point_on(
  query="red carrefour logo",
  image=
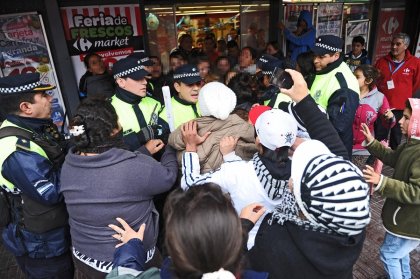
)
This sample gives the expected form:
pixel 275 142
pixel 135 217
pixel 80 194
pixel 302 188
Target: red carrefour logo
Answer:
pixel 390 25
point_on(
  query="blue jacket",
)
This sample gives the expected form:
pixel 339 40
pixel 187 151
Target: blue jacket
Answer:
pixel 35 178
pixel 129 262
pixel 304 42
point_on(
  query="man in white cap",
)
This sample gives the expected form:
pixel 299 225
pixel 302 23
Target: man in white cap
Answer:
pixel 36 231
pixel 335 88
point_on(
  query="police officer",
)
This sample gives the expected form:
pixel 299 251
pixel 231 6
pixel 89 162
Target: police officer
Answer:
pixel 30 159
pixel 335 87
pixel 187 83
pixel 266 66
pixel 137 112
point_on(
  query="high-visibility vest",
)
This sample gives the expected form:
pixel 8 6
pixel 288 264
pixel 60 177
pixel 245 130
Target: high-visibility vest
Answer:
pixel 181 113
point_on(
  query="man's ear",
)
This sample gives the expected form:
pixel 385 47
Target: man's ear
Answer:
pixel 121 82
pixel 25 108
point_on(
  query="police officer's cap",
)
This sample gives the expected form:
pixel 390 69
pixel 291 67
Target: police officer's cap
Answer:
pixel 144 59
pixel 24 83
pixel 327 44
pixel 267 63
pixel 187 74
pixel 130 67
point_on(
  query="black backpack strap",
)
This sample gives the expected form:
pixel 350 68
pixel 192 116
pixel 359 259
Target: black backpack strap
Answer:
pixel 15 131
pixel 53 150
pixel 341 80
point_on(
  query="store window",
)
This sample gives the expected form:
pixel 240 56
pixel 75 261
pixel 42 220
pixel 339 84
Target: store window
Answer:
pixel 227 20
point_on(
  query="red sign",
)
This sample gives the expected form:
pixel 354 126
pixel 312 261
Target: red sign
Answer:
pixel 390 21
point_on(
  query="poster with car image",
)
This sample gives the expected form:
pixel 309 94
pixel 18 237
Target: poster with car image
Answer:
pixel 24 49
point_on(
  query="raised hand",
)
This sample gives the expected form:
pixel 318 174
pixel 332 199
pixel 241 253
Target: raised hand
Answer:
pixel 252 212
pixel 366 132
pixel 228 144
pixel 154 145
pixel 371 176
pixel 190 136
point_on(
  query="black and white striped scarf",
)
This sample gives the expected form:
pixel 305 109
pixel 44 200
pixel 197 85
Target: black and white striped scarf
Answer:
pixel 287 209
pixel 277 190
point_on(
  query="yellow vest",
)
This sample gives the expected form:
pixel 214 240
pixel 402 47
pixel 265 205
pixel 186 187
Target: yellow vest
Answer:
pixel 127 117
pixel 8 146
pixel 326 84
pixel 280 98
pixel 181 113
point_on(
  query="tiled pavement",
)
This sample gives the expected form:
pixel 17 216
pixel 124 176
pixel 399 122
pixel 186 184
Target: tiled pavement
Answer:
pixel 368 266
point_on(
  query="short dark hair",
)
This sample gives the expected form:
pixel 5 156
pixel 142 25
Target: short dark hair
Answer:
pixel 178 54
pixel 10 104
pixel 358 39
pixel 87 58
pixel 251 50
pixel 203 231
pixel 232 44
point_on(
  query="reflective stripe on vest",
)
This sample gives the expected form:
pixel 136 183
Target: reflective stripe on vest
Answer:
pixel 127 116
pixel 8 146
pixel 325 85
pixel 182 113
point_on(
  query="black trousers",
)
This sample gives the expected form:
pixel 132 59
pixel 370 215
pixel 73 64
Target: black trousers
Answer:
pixel 60 267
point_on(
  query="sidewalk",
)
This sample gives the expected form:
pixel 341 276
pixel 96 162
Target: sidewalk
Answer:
pixel 368 266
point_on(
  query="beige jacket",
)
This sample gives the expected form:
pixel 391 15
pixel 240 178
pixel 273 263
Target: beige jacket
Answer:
pixel 208 151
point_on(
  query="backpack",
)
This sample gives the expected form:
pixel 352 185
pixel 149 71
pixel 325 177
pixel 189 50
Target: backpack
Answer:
pixel 341 109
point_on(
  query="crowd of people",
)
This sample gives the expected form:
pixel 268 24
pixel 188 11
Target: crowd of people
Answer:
pixel 232 176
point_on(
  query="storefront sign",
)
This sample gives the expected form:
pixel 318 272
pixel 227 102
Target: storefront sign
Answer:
pixel 24 49
pixel 356 28
pixel 390 21
pixel 329 19
pixel 112 31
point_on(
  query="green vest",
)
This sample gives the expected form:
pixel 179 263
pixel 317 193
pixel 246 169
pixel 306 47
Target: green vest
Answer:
pixel 280 97
pixel 127 117
pixel 181 113
pixel 326 84
pixel 8 146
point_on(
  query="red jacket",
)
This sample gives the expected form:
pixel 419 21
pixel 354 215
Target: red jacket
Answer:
pixel 406 79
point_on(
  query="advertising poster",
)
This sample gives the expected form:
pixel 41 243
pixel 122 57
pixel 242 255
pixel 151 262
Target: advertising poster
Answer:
pixel 356 28
pixel 329 19
pixel 24 49
pixel 390 21
pixel 112 31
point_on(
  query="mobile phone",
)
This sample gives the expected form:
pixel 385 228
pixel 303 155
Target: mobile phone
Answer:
pixel 281 79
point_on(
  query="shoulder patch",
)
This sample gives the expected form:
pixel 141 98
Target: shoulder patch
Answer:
pixel 23 143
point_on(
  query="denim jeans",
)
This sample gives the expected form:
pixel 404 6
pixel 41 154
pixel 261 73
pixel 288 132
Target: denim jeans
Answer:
pixel 395 254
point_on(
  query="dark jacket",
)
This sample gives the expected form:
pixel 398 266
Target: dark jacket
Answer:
pixel 39 226
pixel 129 264
pixel 294 252
pixel 291 252
pixel 355 62
pixel 116 183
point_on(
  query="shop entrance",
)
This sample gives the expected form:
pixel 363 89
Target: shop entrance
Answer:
pixel 227 20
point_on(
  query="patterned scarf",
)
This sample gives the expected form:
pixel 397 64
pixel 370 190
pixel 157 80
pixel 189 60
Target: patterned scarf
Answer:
pixel 278 190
